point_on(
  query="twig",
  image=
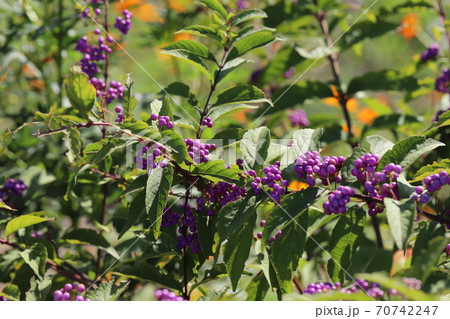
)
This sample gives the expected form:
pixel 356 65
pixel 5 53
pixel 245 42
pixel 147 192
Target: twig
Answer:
pixel 376 227
pixel 82 125
pixel 297 285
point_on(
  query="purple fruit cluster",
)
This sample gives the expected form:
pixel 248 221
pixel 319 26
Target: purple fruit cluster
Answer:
pixel 188 232
pixel 149 157
pixel 365 166
pixel 12 188
pixel 198 151
pixel 120 115
pixel 435 182
pixel 443 81
pixel 162 121
pixel 431 52
pixel 320 287
pixel 412 283
pixel 167 295
pixel 114 91
pixel 272 179
pixel 447 250
pixel 169 218
pixel 299 118
pixel 311 166
pixel 289 73
pixel 69 291
pixel 207 122
pixel 3 298
pixel 337 200
pixel 124 24
pixel 242 4
pixel 219 194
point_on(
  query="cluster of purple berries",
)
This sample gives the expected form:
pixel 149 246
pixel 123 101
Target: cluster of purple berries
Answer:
pixel 298 118
pixel 198 151
pixel 272 179
pixel 289 73
pixel 167 295
pixel 447 250
pixel 419 195
pixel 169 218
pixel 124 24
pixel 435 182
pixel 443 81
pixel 220 193
pixel 64 294
pixel 162 120
pixel 337 200
pixel 3 298
pixel 207 122
pixel 430 53
pixel 114 91
pixel 12 188
pixel 320 287
pixel 365 166
pixel 188 232
pixel 149 157
pixel 412 282
pixel 311 166
pixel 120 115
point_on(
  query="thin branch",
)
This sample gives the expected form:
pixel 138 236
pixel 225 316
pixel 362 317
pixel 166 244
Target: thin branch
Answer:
pixel 376 227
pixel 297 285
pixel 83 125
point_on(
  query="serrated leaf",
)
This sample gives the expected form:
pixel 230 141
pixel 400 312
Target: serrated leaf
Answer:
pixel 229 67
pixel 344 241
pixel 444 120
pixel 178 89
pixel 215 170
pixel 190 58
pixel 240 94
pixel 237 250
pixel 73 143
pixel 202 30
pixel 384 80
pixel 376 144
pixel 89 236
pixel 39 289
pixel 216 6
pixel 80 92
pixel 191 47
pixel 227 136
pixel 435 168
pixel 24 221
pixel 136 185
pixel 176 144
pixel 287 250
pixel 108 291
pixel 250 42
pixel 400 216
pixel 254 147
pixel 157 190
pixel 35 257
pixel 135 211
pixel 246 15
pixel 151 273
pixel 303 140
pixel 405 152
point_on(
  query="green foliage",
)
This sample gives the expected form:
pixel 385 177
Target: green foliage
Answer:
pixel 24 221
pixel 400 216
pixel 80 92
pixel 254 146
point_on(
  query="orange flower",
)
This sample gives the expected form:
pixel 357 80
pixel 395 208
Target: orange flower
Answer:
pixel 366 115
pixel 356 129
pixel 352 103
pixel 140 9
pixel 296 185
pixel 182 36
pixel 240 116
pixel 409 26
pixel 178 6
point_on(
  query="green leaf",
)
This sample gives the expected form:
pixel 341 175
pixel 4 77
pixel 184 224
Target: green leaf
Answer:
pixel 191 58
pixel 175 142
pixel 444 120
pixel 392 121
pixel 107 291
pixel 405 152
pixel 400 216
pixel 240 94
pixel 344 241
pixel 366 29
pixel 129 101
pixel 11 292
pixel 89 236
pixel 227 137
pixel 4 206
pixel 158 185
pixel 202 30
pixel 250 42
pixel 287 250
pixel 303 140
pixel 80 92
pixel 254 147
pixel 257 289
pixel 435 168
pixel 382 80
pixel 151 273
pixel 215 171
pixel 217 112
pixel 73 143
pixel 136 185
pixel 246 15
pixel 179 89
pixel 237 250
pixel 135 211
pixel 96 152
pixel 377 144
pixel 191 47
pixel 229 67
pixel 216 6
pixel 39 289
pixel 24 221
pixel 35 256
